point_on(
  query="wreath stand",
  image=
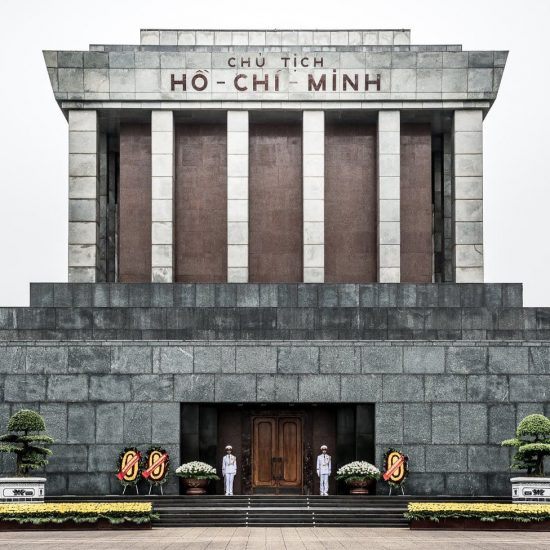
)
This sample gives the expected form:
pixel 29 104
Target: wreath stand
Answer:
pixel 401 487
pixel 151 485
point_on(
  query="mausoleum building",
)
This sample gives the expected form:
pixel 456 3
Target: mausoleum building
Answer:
pixel 276 242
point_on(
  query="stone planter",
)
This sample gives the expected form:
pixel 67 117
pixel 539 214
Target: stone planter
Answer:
pixel 195 486
pixel 478 525
pixel 100 524
pixel 360 487
pixel 530 490
pixel 22 489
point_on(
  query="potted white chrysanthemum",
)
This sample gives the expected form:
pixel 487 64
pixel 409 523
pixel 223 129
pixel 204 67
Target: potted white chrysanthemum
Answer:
pixel 359 475
pixel 196 476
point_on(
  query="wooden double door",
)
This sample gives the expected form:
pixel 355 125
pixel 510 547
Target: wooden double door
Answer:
pixel 277 454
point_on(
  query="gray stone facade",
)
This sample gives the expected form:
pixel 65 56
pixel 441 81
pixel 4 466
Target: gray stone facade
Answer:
pixel 450 368
pixel 143 73
pixel 275 312
pixel 245 75
pixel 448 402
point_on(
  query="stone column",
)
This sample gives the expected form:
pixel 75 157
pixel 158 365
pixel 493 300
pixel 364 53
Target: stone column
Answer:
pixel 389 179
pixel 437 176
pixel 237 196
pixel 468 196
pixel 103 201
pixel 313 151
pixel 162 196
pixel 448 262
pixel 83 196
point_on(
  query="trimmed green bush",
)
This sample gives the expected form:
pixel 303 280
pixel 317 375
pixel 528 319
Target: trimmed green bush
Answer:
pixel 29 456
pixel 532 443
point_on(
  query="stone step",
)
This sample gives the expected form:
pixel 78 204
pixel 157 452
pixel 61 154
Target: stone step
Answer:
pixel 277 499
pixel 281 511
pixel 381 525
pixel 275 295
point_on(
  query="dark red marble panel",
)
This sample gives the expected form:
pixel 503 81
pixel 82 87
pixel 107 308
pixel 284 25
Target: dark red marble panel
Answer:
pixel 134 225
pixel 350 203
pixel 416 203
pixel 201 203
pixel 275 207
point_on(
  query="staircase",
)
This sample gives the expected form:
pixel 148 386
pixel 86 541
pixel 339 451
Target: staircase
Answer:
pixel 289 511
pixel 282 511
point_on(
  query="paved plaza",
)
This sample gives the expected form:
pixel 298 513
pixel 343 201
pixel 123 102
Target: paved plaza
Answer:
pixel 259 538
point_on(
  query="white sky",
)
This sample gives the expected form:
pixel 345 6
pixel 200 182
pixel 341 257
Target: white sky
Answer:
pixel 33 136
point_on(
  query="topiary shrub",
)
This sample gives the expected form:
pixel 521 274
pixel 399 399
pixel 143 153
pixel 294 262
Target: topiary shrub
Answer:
pixel 532 442
pixel 28 455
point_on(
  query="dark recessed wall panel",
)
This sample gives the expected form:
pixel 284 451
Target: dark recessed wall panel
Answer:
pixel 275 203
pixel 201 203
pixel 350 203
pixel 416 203
pixel 134 246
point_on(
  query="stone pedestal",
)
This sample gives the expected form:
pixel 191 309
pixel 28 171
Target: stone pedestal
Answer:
pixel 22 489
pixel 530 490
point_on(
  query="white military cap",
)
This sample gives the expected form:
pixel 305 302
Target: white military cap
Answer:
pixel 228 447
pixel 323 447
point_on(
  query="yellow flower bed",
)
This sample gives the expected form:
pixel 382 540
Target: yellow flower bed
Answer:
pixel 484 511
pixel 76 508
pixel 481 507
pixel 78 512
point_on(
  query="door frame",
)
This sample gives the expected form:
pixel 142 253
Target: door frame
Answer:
pixel 277 416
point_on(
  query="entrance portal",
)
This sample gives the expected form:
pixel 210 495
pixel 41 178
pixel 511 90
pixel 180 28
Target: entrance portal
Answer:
pixel 277 454
pixel 277 444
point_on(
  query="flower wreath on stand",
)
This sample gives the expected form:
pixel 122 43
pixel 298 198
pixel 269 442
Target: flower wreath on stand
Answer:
pixel 156 465
pixel 128 468
pixel 395 476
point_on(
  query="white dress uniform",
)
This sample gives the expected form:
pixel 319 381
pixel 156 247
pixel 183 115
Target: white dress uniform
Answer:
pixel 229 469
pixel 324 468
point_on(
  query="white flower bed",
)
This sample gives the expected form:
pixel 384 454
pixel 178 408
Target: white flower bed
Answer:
pixel 358 469
pixel 196 469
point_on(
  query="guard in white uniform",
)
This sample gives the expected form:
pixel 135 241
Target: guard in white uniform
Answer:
pixel 229 469
pixel 324 468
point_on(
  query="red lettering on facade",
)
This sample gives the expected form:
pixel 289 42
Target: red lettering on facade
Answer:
pixel 199 82
pixel 316 86
pixel 174 82
pixel 256 83
pixel 377 82
pixel 354 84
pixel 237 85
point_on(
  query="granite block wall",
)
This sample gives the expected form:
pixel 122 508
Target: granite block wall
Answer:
pixel 275 312
pixel 448 404
pixel 491 295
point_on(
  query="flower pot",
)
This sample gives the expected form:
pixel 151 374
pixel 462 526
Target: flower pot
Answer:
pixel 195 486
pixel 22 489
pixel 530 490
pixel 359 487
